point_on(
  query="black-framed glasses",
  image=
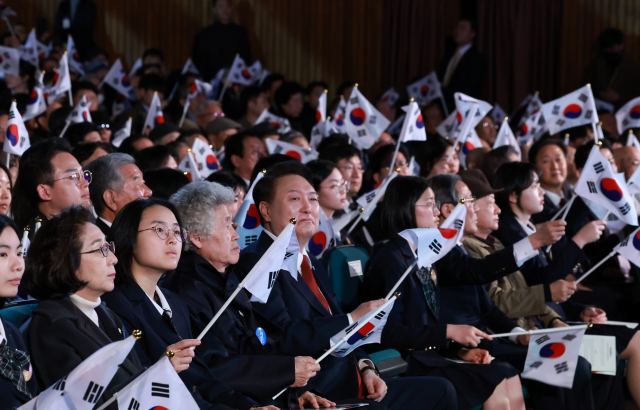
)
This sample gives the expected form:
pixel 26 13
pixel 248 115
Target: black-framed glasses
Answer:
pixel 75 177
pixel 104 249
pixel 163 232
pixel 101 127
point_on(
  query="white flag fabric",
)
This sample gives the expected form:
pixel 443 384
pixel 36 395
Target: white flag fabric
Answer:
pixel 390 96
pixel 6 11
pixel 463 106
pixel 205 158
pixel 135 67
pixel 159 387
pixel 456 220
pixel 630 247
pixel 425 89
pixel 189 166
pixel 154 115
pixel 364 123
pixel 29 50
pixel 396 126
pixel 432 243
pixel 448 127
pixel 201 87
pixel 553 355
pixel 324 239
pixel 598 183
pixel 122 134
pixel 338 121
pixel 118 79
pixel 189 67
pixel 534 104
pixel 281 255
pixel 367 330
pixel 61 81
pixel 370 200
pixel 248 218
pixel 340 223
pixel 321 111
pixel 279 123
pixel 468 144
pixel 80 112
pixel 36 104
pixel 505 137
pixel 82 388
pixel 629 115
pixel 413 126
pixel 572 110
pixel 319 132
pixel 604 106
pixel 632 141
pixel 532 129
pixel 498 115
pixel 9 60
pixel 265 73
pixel 16 139
pixel 292 150
pixel 75 64
pixel 241 74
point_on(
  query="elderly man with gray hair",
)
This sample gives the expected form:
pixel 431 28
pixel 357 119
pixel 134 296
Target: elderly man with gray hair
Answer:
pixel 117 181
pixel 201 280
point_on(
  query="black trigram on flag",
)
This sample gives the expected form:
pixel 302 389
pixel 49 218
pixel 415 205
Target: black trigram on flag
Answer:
pixel 624 242
pixel 435 247
pixel 160 390
pixel 583 98
pixel 560 122
pixel 624 209
pixel 625 122
pixel 535 365
pixel 354 100
pixel 373 119
pixel 569 338
pixel 93 393
pixel 588 114
pixel 542 339
pixel 592 187
pixel 556 110
pixel 370 196
pixel 380 314
pixel 134 405
pixel 201 150
pixel 350 328
pixel 458 224
pixel 60 384
pixel 277 149
pixel 362 133
pixel 598 167
pixel 249 239
pixel 272 279
pixel 561 367
pixel 287 255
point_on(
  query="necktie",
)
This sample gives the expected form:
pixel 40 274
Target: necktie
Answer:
pixel 452 68
pixel 307 275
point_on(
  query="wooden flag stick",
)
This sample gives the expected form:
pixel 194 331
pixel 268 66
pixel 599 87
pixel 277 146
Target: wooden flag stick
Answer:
pixel 533 332
pixel 596 266
pixel 564 214
pixel 184 112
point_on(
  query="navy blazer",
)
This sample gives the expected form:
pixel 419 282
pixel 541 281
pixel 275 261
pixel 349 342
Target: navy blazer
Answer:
pixel 292 300
pixel 60 337
pixel 458 268
pixel 10 397
pixel 137 312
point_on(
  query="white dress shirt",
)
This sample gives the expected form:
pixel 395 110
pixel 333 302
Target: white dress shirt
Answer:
pixel 165 305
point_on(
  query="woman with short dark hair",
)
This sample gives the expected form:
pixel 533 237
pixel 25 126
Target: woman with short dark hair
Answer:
pixel 70 265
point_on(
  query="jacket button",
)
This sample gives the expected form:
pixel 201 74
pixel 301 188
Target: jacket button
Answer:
pixel 194 389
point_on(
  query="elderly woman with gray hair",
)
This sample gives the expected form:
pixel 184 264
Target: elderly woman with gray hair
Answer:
pixel 203 283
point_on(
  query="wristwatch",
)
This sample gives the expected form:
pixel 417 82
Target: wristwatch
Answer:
pixel 373 369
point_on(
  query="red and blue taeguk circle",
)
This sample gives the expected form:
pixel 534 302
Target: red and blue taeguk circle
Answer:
pixel 572 111
pixel 635 112
pixel 13 134
pixel 294 154
pixel 424 90
pixel 419 122
pixel 610 189
pixel 246 74
pixel 467 148
pixel 340 120
pixel 126 82
pixel 33 98
pixel 552 350
pixel 252 221
pixel 212 162
pixel 448 233
pixel 318 243
pixel 636 241
pixel 358 116
pixel 523 131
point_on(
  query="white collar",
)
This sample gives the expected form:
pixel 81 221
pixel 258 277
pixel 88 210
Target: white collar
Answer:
pixel 463 49
pixel 2 332
pixel 105 221
pixel 528 228
pixel 301 254
pixel 87 307
pixel 555 198
pixel 165 305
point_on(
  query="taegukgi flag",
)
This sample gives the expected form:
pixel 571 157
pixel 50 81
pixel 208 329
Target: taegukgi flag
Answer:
pixel 425 89
pixel 248 218
pixel 364 123
pixel 505 137
pixel 294 151
pixel 629 115
pixel 282 125
pixel 572 110
pixel 16 139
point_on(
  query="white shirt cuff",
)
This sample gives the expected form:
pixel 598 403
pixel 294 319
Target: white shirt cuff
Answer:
pixel 523 251
pixel 515 329
pixel 367 362
pixel 350 319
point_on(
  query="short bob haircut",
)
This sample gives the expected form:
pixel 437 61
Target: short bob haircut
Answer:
pixel 320 170
pixel 124 231
pixel 428 152
pixel 6 222
pixel 399 204
pixel 54 255
pixel 535 148
pixel 512 177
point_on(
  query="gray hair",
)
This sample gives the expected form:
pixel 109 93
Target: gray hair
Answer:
pixel 444 188
pixel 203 105
pixel 106 175
pixel 196 203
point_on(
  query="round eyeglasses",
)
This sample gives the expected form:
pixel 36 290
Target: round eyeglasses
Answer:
pixel 77 177
pixel 163 232
pixel 104 249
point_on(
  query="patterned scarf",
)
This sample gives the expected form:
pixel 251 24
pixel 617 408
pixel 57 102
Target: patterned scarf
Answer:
pixel 428 288
pixel 14 365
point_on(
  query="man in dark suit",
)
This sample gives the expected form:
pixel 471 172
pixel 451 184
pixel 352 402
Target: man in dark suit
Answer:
pixel 462 69
pixel 77 18
pixel 147 86
pixel 286 192
pixel 117 181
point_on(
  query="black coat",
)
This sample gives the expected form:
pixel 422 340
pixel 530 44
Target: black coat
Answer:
pixel 60 337
pixel 82 25
pixel 292 300
pixel 467 78
pixel 10 397
pixel 138 312
pixel 216 46
pixel 458 268
pixel 103 227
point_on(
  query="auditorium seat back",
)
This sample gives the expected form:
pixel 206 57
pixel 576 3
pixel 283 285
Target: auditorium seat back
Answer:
pixel 345 265
pixel 18 313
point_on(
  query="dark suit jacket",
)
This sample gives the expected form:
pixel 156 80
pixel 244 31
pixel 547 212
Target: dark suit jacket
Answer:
pixel 467 78
pixel 292 300
pixel 458 268
pixel 60 337
pixel 216 46
pixel 10 397
pixel 103 227
pixel 138 312
pixel 82 25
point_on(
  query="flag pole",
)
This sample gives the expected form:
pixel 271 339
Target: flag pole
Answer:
pixel 404 275
pixel 566 208
pixel 596 266
pixel 65 129
pixel 357 221
pixel 224 88
pixel 344 339
pixel 395 153
pixel 8 160
pixel 466 127
pixel 533 332
pixel 9 26
pixel 184 112
pixel 252 272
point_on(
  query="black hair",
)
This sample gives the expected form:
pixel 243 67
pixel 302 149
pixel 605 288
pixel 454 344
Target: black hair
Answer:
pixel 428 152
pixel 165 182
pixel 35 169
pixel 335 153
pixel 270 79
pixel 58 119
pixel 287 90
pixel 124 231
pixel 265 189
pixel 320 170
pixel 249 93
pixel 269 162
pixel 535 148
pixel 155 52
pixel 84 151
pixel 512 177
pixel 127 145
pixel 155 157
pixel 83 85
pixel 399 204
pixel 583 151
pixel 309 88
pixel 228 179
pixel 383 156
pixel 576 132
pixel 151 82
pixel 234 145
pixel 54 255
pixel 76 132
pixel 494 158
pixel 342 87
pixel 610 37
pixel 6 222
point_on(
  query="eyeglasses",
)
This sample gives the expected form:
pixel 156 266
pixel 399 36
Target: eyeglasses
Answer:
pixel 75 177
pixel 349 169
pixel 163 232
pixel 101 127
pixel 104 249
pixel 433 205
pixel 471 202
pixel 399 164
pixel 339 188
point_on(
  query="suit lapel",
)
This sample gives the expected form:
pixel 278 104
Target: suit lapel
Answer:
pixel 301 286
